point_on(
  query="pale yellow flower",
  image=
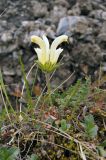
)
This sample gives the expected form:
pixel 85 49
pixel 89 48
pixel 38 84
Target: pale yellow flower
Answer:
pixel 48 55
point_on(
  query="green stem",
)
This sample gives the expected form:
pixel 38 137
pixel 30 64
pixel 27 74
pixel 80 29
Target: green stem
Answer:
pixel 47 75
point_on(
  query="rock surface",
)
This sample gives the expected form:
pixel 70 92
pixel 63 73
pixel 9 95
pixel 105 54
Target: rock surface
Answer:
pixel 83 21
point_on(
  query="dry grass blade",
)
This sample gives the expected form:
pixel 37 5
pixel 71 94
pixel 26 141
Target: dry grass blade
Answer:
pixel 82 153
pixel 63 82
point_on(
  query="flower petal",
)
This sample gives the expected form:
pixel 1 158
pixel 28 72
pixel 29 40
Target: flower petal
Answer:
pixel 41 43
pixel 38 41
pixel 58 41
pixel 55 56
pixel 45 39
pixel 47 47
pixel 39 53
pixel 58 51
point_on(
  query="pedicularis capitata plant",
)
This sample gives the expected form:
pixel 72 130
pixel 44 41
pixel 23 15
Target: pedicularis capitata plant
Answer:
pixel 48 55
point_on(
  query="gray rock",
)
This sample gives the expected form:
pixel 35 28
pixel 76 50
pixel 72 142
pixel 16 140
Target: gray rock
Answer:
pixel 98 5
pixel 7 48
pixel 83 21
pixel 8 79
pixel 85 6
pixel 78 24
pixel 103 30
pixel 102 37
pixel 6 37
pixel 104 66
pixel 57 13
pixel 39 9
pixel 75 11
pixel 99 14
pixel 8 71
pixel 86 53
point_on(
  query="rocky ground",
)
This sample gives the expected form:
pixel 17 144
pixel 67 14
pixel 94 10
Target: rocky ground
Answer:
pixel 83 21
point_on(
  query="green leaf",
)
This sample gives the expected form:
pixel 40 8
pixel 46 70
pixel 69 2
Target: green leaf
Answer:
pixel 8 153
pixel 90 127
pixel 33 157
pixel 103 143
pixel 63 125
pixel 74 96
pixel 102 151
